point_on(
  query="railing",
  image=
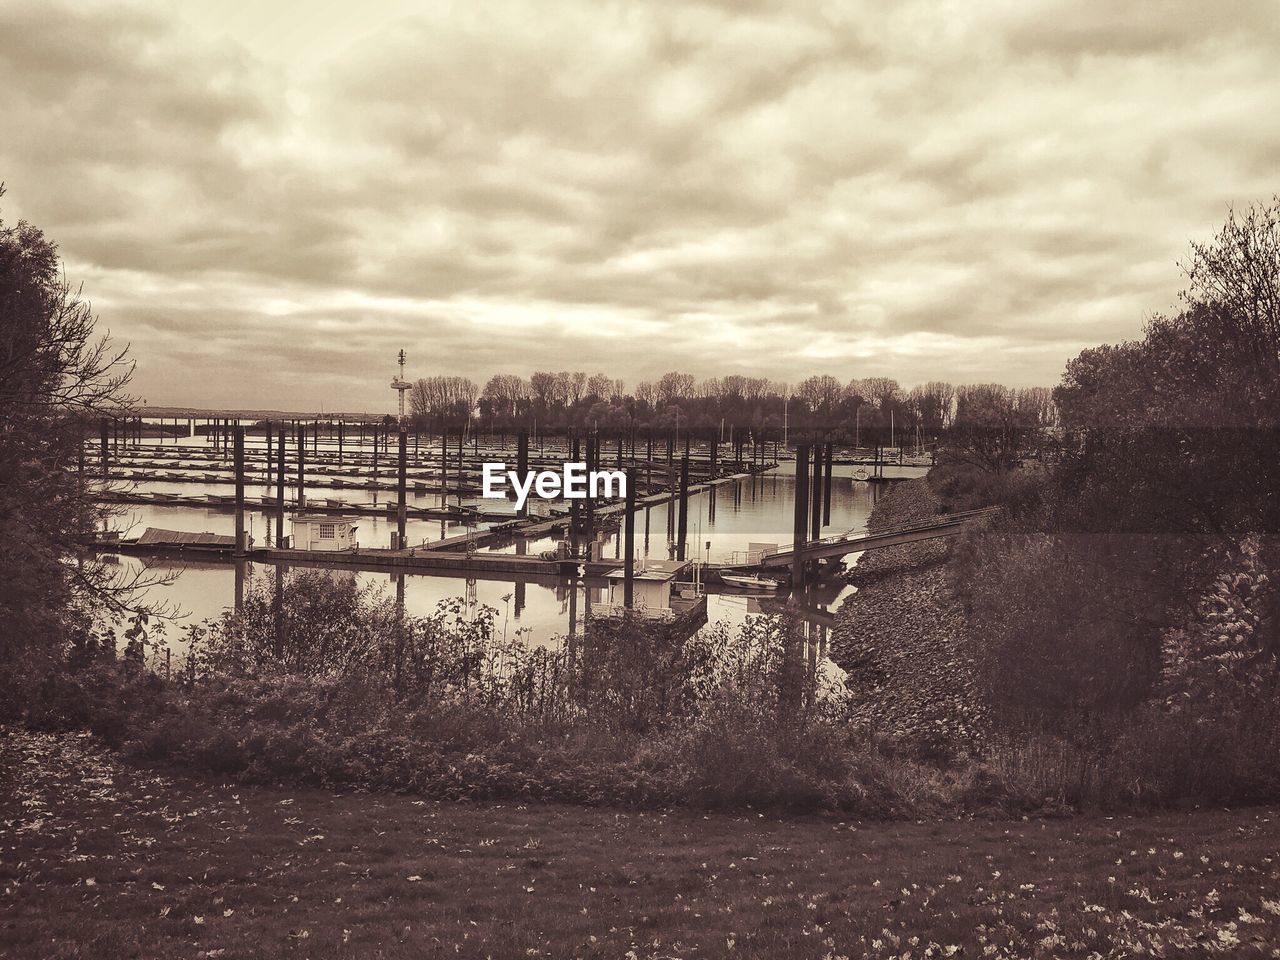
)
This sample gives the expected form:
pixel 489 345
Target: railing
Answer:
pixel 750 557
pixel 662 614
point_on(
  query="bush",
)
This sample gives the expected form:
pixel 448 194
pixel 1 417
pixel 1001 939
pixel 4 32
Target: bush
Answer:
pixel 718 721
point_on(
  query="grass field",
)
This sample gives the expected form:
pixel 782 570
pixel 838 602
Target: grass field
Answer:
pixel 98 860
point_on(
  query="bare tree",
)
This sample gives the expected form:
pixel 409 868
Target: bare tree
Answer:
pixel 821 393
pixel 543 385
pixel 882 391
pixel 506 393
pixel 453 397
pixel 600 385
pixel 1238 274
pixel 933 403
pixel 675 386
pixel 1036 404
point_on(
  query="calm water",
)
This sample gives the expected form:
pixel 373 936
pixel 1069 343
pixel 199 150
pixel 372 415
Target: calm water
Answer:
pixel 722 523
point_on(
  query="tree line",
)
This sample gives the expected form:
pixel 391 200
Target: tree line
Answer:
pixel 877 409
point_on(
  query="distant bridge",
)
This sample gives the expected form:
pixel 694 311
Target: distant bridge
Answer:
pixel 857 541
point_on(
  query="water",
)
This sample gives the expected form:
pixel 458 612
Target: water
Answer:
pixel 722 523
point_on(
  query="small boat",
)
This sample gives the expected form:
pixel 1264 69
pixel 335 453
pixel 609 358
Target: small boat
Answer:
pixel 749 581
pixel 861 476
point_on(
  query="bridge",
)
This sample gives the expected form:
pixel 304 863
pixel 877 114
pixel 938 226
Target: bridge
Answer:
pixel 857 541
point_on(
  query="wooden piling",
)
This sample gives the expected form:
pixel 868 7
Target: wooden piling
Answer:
pixel 629 542
pixel 588 503
pixel 575 509
pixel 522 464
pixel 444 469
pixel 402 485
pixel 521 549
pixel 826 484
pixel 682 523
pixel 104 453
pixel 302 470
pixel 238 453
pixel 815 502
pixel 801 517
pixel 280 455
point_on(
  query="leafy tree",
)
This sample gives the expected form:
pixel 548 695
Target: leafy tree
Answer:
pixel 989 428
pixel 1165 492
pixel 1228 652
pixel 56 377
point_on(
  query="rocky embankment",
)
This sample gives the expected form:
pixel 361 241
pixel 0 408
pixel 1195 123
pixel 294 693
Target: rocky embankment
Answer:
pixel 902 637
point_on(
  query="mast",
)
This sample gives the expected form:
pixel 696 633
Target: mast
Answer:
pixel 784 418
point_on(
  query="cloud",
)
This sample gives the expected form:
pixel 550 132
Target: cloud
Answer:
pixel 269 200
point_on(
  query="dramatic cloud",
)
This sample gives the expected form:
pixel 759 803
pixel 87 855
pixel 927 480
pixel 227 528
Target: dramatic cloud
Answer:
pixel 269 199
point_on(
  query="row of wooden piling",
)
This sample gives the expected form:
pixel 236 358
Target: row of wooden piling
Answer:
pixel 118 431
pixel 812 503
pixel 582 512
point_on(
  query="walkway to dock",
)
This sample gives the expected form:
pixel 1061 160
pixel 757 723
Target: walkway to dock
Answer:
pixel 857 541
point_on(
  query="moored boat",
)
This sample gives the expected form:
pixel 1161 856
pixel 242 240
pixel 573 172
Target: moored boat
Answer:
pixel 749 581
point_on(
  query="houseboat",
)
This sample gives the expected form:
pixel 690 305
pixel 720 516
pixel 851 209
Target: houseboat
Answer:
pixel 665 591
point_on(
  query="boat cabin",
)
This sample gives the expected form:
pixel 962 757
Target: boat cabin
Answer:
pixel 318 531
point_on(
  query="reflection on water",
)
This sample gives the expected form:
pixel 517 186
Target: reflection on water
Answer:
pixel 722 522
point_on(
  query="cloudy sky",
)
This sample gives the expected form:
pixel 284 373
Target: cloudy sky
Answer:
pixel 269 198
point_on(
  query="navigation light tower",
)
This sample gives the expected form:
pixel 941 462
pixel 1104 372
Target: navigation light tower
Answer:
pixel 400 385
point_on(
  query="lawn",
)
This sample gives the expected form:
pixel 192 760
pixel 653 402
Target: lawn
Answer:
pixel 101 860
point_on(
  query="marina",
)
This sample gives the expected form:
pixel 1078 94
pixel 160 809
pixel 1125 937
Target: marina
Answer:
pixel 456 544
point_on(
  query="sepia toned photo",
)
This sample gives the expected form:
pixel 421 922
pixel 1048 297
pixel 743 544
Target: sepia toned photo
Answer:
pixel 639 480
